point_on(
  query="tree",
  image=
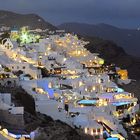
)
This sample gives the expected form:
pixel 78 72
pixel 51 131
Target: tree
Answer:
pixel 18 41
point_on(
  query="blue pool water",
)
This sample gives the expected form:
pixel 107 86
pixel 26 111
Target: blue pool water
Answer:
pixel 87 102
pixel 112 139
pixel 120 90
pixel 120 103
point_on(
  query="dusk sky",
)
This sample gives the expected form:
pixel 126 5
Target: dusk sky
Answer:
pixel 122 13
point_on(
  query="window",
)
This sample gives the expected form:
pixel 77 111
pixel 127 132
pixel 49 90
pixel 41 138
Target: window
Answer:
pixel 23 67
pixel 98 130
pixel 94 131
pixel 17 67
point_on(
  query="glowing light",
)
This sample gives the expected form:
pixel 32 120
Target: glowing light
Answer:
pixel 38 36
pixel 50 85
pixel 133 121
pixel 93 88
pixel 5 131
pixel 91 132
pixel 86 130
pixel 101 61
pixel 24 36
pixel 80 83
pixel 65 59
pixel 101 132
pixel 123 74
pixel 96 132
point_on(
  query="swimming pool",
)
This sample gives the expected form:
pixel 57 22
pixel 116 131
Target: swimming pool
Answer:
pixel 112 139
pixel 87 102
pixel 120 103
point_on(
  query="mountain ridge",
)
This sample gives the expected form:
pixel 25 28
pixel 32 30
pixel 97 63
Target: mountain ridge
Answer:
pixel 11 19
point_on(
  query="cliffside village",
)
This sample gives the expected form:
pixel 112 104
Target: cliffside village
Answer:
pixel 67 83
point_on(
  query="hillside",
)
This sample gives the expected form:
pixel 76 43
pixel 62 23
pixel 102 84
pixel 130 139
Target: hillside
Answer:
pixel 45 127
pixel 129 39
pixel 11 19
pixel 115 54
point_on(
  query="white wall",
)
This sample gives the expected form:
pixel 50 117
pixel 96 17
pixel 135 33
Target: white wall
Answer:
pixel 17 110
pixel 6 98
